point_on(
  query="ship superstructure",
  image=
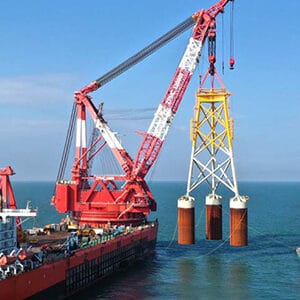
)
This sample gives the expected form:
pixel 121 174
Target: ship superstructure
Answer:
pixel 13 259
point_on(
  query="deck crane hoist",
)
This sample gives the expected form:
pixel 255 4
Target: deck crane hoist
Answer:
pixel 126 199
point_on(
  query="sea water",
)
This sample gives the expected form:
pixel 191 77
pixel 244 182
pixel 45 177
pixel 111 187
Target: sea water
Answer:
pixel 268 268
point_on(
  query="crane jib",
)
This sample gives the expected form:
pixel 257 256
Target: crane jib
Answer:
pixel 142 54
pixel 160 42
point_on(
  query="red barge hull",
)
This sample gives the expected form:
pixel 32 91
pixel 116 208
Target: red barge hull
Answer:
pixel 66 276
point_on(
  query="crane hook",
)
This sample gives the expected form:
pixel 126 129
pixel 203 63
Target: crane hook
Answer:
pixel 231 63
pixel 231 60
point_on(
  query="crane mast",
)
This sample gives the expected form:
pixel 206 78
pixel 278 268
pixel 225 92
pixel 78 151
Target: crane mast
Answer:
pixel 94 199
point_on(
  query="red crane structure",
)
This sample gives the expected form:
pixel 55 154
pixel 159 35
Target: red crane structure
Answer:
pixel 126 198
pixel 7 197
pixel 10 216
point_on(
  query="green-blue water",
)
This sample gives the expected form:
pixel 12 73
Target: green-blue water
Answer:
pixel 268 268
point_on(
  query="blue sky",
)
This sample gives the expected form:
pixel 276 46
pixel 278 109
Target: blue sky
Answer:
pixel 49 49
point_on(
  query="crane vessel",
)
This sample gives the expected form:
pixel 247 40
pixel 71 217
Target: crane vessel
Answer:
pixel 106 227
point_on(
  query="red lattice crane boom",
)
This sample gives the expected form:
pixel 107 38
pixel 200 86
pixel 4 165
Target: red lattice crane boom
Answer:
pixel 95 200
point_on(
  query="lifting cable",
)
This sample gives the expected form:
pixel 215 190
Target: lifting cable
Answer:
pixel 253 229
pixel 223 44
pixel 94 136
pixel 231 59
pixel 66 151
pixel 139 56
pixel 223 242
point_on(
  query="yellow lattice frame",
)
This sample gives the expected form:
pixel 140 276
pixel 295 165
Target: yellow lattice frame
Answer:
pixel 213 105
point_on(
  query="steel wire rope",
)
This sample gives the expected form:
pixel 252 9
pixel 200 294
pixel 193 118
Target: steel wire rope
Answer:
pixel 176 228
pixel 217 247
pixel 263 233
pixel 223 45
pixel 201 214
pixel 223 242
pixel 270 238
pixel 139 56
pixel 199 68
pixel 154 167
pixel 113 165
pixel 69 138
pixel 70 134
pixel 94 135
pixel 232 30
pixel 211 251
pixel 252 228
pixel 108 163
pixel 150 179
pixel 173 237
pixel 151 174
pixel 103 160
pixel 145 52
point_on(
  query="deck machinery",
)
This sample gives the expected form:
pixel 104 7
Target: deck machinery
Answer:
pixel 126 199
